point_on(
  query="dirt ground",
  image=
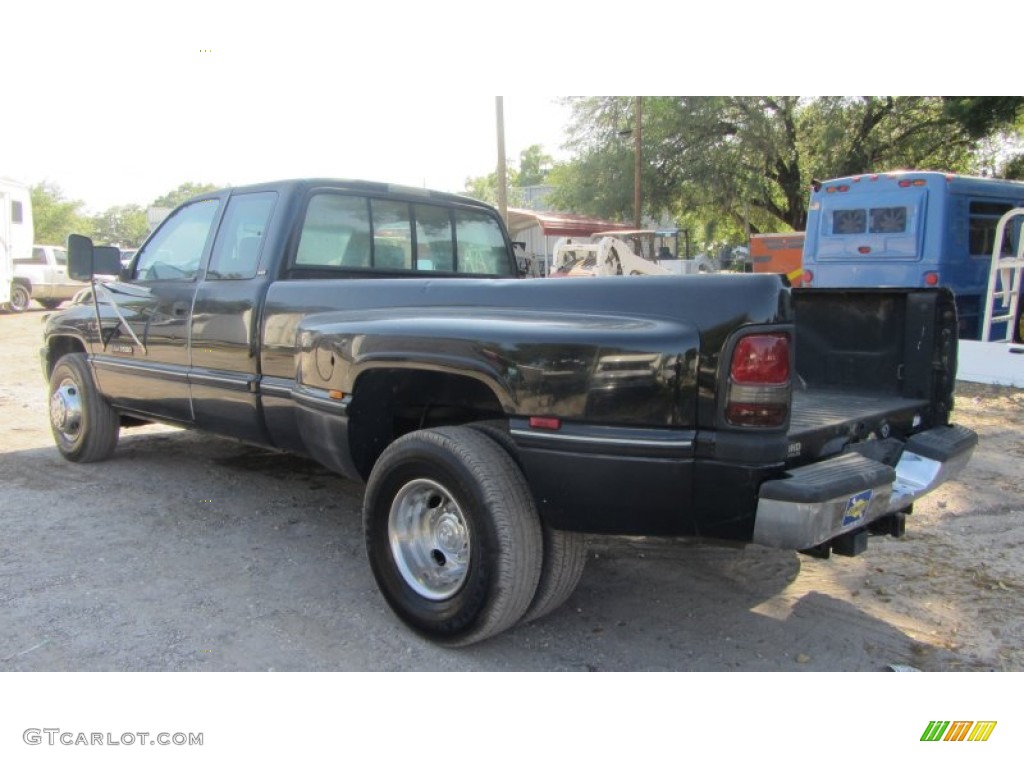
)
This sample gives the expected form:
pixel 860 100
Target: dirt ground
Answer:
pixel 187 552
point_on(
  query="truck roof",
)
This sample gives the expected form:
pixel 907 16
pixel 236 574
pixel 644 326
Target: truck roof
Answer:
pixel 351 185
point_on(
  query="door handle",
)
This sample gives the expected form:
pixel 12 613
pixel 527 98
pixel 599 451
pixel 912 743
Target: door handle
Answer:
pixel 179 308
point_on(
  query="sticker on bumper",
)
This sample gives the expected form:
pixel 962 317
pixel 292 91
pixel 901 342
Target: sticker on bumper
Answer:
pixel 856 507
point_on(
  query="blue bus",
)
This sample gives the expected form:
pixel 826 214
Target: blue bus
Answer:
pixel 910 228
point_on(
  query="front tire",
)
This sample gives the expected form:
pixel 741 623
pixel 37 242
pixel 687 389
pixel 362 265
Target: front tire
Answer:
pixel 85 427
pixel 20 298
pixel 452 535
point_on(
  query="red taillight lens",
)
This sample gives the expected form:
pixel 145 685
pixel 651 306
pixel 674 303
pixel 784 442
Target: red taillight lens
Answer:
pixel 931 278
pixel 761 359
pixel 759 384
pixel 808 277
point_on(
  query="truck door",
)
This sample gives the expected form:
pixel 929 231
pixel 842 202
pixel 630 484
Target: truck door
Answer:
pixel 63 286
pixel 156 304
pixel 225 322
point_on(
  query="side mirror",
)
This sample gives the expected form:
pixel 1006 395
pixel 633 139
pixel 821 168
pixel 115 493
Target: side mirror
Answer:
pixel 86 260
pixel 106 260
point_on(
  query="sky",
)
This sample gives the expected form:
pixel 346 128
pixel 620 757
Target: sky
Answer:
pixel 119 102
pixel 119 120
pixel 118 117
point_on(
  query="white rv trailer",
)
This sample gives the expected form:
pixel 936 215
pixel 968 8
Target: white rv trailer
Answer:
pixel 16 233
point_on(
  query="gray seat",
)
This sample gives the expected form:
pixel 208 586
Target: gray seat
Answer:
pixel 388 256
pixel 357 252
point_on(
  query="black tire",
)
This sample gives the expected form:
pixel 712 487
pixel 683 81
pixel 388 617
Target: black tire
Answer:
pixel 565 557
pixel 565 552
pixel 50 303
pixel 85 427
pixel 20 298
pixel 452 535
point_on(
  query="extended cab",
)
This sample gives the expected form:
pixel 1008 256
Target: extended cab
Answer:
pixel 382 331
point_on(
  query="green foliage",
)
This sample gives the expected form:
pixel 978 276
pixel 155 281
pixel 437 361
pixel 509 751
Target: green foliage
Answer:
pixel 533 166
pixel 720 164
pixel 177 196
pixel 124 225
pixel 981 116
pixel 54 217
pixel 486 187
pixel 533 169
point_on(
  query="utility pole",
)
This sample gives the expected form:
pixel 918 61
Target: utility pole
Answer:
pixel 637 158
pixel 502 170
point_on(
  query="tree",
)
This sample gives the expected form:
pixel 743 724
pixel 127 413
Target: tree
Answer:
pixel 124 225
pixel 534 166
pixel 725 163
pixel 54 217
pixel 486 187
pixel 981 116
pixel 177 196
pixel 533 169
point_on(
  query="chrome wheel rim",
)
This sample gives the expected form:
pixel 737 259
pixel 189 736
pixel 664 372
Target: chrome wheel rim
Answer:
pixel 66 410
pixel 19 299
pixel 429 539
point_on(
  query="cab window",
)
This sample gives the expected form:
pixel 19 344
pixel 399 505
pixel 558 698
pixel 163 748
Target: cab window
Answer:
pixel 236 252
pixel 392 235
pixel 174 252
pixel 480 246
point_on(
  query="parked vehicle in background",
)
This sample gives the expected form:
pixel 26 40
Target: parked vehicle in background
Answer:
pixel 16 235
pixel 779 253
pixel 661 247
pixel 912 229
pixel 44 275
pixel 604 256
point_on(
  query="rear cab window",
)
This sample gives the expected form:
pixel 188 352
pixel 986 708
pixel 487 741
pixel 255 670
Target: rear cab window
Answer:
pixel 350 233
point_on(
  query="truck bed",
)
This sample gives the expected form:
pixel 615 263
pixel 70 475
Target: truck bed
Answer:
pixel 820 416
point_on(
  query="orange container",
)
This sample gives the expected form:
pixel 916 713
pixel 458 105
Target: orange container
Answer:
pixel 780 253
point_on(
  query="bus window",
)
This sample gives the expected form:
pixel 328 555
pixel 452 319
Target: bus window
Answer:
pixel 850 221
pixel 984 218
pixel 876 221
pixel 889 221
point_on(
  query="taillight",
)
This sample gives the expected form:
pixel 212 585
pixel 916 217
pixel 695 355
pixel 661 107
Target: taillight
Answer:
pixel 759 381
pixel 808 277
pixel 931 278
pixel 761 359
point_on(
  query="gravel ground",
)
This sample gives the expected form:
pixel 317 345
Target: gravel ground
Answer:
pixel 188 552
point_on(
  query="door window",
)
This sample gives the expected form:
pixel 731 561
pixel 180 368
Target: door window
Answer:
pixel 174 252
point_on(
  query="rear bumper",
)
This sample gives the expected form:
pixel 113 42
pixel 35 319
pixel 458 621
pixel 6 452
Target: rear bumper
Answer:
pixel 821 502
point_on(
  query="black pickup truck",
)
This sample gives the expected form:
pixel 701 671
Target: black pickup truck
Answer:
pixel 384 332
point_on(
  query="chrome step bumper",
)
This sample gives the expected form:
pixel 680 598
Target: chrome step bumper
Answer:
pixel 826 500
